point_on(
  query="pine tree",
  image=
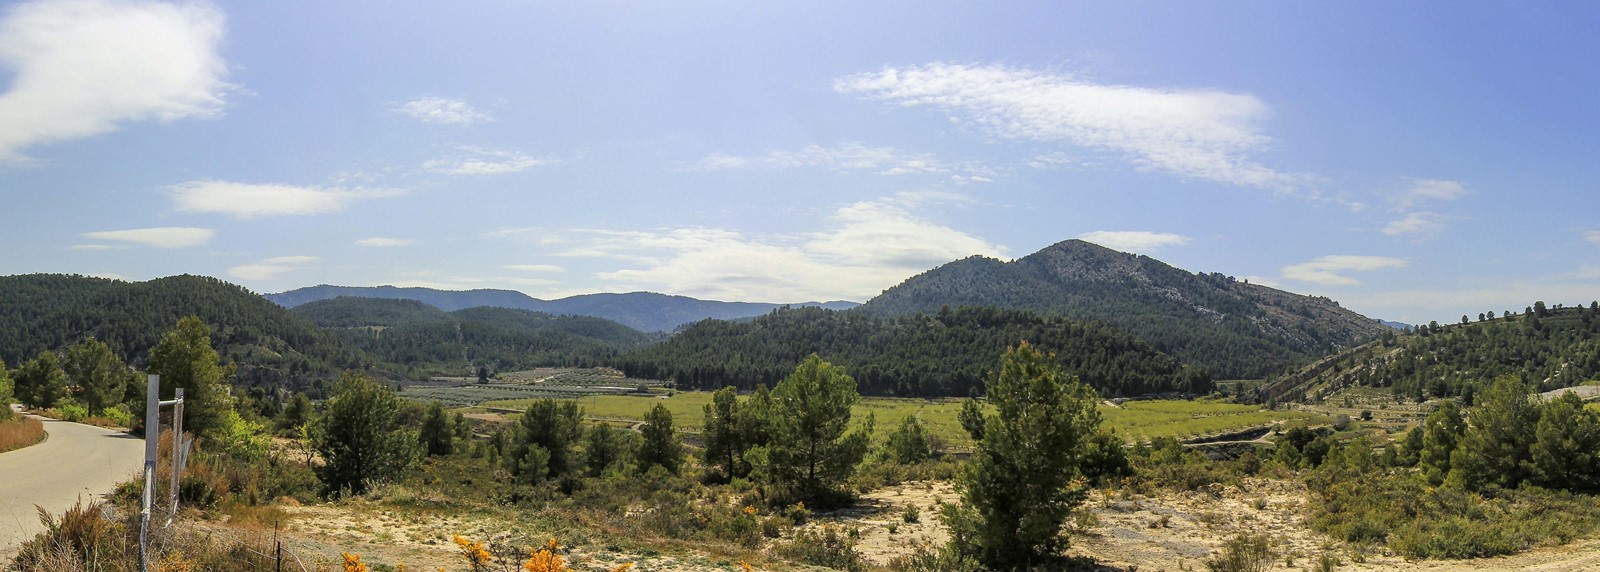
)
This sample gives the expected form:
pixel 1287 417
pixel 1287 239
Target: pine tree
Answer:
pixel 1566 449
pixel 358 437
pixel 602 447
pixel 7 392
pixel 97 373
pixel 1440 434
pixel 184 358
pixel 542 445
pixel 1411 448
pixel 1027 472
pixel 40 382
pixel 661 446
pixel 908 444
pixel 809 456
pixel 724 448
pixel 435 435
pixel 1495 449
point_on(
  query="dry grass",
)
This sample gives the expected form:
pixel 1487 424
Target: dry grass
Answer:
pixel 20 432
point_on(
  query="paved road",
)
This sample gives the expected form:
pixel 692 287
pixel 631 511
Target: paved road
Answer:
pixel 76 460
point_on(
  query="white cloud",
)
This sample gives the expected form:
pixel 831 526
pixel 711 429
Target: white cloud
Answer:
pixel 867 246
pixel 443 110
pixel 1592 236
pixel 1425 223
pixel 1137 241
pixel 383 242
pixel 534 268
pixel 249 200
pixel 469 160
pixel 1192 133
pixel 85 67
pixel 1328 269
pixel 1424 190
pixel 851 156
pixel 269 268
pixel 160 237
pixel 98 246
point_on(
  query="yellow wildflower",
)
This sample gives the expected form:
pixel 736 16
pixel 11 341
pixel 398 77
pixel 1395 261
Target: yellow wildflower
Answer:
pixel 750 510
pixel 477 556
pixel 352 563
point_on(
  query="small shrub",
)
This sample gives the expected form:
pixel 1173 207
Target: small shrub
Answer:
pixel 911 514
pixel 824 548
pixel 1243 553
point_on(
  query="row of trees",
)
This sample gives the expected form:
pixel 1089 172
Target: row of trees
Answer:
pixel 1507 439
pixel 1039 448
pixel 941 355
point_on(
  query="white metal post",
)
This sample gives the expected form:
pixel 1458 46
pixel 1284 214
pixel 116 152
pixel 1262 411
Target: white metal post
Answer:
pixel 177 451
pixel 152 438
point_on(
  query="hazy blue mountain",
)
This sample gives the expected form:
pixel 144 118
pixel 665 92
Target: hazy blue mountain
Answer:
pixel 643 311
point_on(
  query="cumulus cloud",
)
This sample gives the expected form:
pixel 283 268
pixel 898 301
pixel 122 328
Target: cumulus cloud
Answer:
pixel 865 247
pixel 249 200
pixel 1136 241
pixel 383 242
pixel 443 110
pixel 1201 134
pixel 159 237
pixel 269 268
pixel 1330 270
pixel 86 67
pixel 850 156
pixel 467 160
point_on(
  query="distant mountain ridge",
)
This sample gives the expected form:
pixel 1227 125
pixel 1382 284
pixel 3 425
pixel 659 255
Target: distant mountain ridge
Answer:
pixel 643 311
pixel 1235 329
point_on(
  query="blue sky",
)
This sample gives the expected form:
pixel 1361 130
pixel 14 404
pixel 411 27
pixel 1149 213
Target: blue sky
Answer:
pixel 1415 161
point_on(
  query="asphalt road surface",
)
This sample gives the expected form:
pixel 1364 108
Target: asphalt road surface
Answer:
pixel 76 461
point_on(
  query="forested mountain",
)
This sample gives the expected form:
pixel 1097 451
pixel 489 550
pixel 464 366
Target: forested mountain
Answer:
pixel 643 311
pixel 946 353
pixel 271 346
pixel 429 340
pixel 1547 348
pixel 1233 328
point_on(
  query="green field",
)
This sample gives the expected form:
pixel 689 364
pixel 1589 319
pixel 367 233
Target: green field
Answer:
pixel 1134 420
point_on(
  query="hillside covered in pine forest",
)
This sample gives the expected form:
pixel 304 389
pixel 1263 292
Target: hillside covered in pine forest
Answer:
pixel 947 353
pixel 1234 329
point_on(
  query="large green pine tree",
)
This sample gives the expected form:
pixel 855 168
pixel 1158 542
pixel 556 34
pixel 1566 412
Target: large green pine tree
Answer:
pixel 359 437
pixel 1566 448
pixel 542 446
pixel 40 382
pixel 1495 450
pixel 661 446
pixel 810 456
pixel 97 373
pixel 1028 471
pixel 184 358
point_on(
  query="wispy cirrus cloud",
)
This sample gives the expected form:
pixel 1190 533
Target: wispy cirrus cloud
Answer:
pixel 1410 201
pixel 850 156
pixel 429 109
pixel 86 67
pixel 1203 134
pixel 469 160
pixel 269 268
pixel 159 237
pixel 1331 270
pixel 250 200
pixel 1136 241
pixel 534 268
pixel 1592 236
